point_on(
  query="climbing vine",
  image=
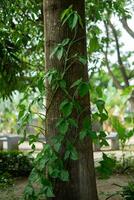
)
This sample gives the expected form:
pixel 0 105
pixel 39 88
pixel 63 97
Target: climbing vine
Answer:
pixel 50 163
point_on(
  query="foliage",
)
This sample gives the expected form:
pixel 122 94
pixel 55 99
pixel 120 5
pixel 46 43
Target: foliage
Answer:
pixel 24 56
pixel 118 105
pixel 128 191
pixel 21 30
pixel 8 115
pixel 125 166
pixel 5 180
pixel 15 164
pixel 106 167
pixel 123 133
pixel 50 158
pixel 21 41
pixel 107 57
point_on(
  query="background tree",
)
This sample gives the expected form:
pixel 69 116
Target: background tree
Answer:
pixel 21 41
pixel 82 176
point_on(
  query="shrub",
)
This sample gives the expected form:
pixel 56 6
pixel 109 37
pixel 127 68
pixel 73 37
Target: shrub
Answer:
pixel 125 166
pixel 15 163
pixel 5 180
pixel 128 191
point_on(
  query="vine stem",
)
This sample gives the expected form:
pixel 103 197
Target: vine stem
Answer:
pixel 112 195
pixel 41 129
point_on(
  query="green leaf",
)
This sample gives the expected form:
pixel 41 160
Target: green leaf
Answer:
pixel 49 192
pixel 33 147
pixel 76 83
pixel 41 163
pixel 53 172
pixel 54 51
pixel 66 107
pixel 83 89
pixel 32 138
pixel 88 132
pixel 65 42
pixel 62 84
pixel 95 116
pixel 74 154
pixel 63 126
pixel 67 154
pixel 103 142
pixel 22 109
pixel 130 133
pixel 41 85
pixel 67 18
pixel 83 60
pixel 66 12
pixel 103 134
pixel 99 91
pixel 64 175
pixel 60 52
pixel 22 140
pixel 94 44
pixel 121 130
pixel 73 20
pixel 72 122
pixel 92 135
pixel 57 146
pixel 71 152
pixel 86 123
pixel 103 117
pixel 29 193
pixel 106 167
pixel 100 105
pixel 34 176
pixel 71 17
pixel 83 134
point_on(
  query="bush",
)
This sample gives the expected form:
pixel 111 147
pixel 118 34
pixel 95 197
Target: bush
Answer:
pixel 5 180
pixel 15 163
pixel 128 191
pixel 125 166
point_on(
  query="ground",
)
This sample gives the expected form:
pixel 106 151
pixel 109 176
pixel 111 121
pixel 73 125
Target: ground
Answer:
pixel 105 188
pixel 108 187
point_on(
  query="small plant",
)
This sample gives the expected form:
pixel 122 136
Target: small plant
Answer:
pixel 5 180
pixel 106 166
pixel 126 166
pixel 128 191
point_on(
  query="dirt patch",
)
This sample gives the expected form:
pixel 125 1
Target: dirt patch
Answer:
pixel 105 188
pixel 14 192
pixel 109 187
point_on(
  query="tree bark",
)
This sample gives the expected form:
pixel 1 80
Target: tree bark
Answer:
pixel 122 67
pixel 115 80
pixel 82 184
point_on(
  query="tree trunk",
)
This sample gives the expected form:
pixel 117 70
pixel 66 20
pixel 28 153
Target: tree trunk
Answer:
pixel 82 184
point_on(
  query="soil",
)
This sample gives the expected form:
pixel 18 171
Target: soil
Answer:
pixel 14 192
pixel 106 188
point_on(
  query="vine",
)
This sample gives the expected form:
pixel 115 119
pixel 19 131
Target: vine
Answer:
pixel 50 163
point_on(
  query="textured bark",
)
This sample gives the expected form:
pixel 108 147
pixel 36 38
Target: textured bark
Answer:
pixel 82 184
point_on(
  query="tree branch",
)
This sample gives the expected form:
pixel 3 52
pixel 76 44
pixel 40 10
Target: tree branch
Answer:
pixel 122 67
pixel 126 27
pixel 115 80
